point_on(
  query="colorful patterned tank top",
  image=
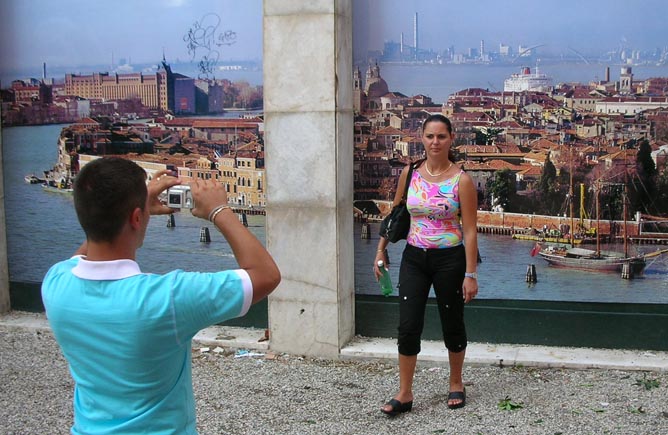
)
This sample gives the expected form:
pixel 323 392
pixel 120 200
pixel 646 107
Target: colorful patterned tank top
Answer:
pixel 434 209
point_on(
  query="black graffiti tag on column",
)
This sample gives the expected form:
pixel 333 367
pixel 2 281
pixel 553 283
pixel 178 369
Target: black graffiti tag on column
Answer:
pixel 204 39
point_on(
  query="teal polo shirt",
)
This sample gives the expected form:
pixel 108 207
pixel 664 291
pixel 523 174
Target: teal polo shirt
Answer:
pixel 127 338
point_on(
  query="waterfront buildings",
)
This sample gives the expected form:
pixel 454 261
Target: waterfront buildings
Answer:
pixel 243 172
pixel 230 151
pixel 162 90
pixel 151 88
pixel 595 119
pixel 404 52
pixel 517 129
pixel 132 95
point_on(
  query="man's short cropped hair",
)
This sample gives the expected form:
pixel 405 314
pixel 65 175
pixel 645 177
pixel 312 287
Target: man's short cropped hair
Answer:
pixel 106 191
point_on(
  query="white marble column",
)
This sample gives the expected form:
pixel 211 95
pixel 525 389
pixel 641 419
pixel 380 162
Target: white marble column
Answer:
pixel 4 269
pixel 309 158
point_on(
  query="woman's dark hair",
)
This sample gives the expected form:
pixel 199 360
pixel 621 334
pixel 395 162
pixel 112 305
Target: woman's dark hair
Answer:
pixel 437 117
pixel 106 191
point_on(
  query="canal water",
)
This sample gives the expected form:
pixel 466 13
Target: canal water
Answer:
pixel 42 229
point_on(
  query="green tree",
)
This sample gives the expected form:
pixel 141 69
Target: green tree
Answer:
pixel 611 202
pixel 644 161
pixel 502 189
pixel 230 93
pixel 643 188
pixel 548 187
pixel 662 193
pixel 486 135
pixel 548 176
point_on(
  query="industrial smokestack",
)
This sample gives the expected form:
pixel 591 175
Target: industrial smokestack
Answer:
pixel 415 35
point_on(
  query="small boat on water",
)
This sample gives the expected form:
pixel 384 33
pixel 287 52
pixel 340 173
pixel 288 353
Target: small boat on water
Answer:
pixel 58 181
pixel 33 179
pixel 587 259
pixel 62 186
pixel 57 189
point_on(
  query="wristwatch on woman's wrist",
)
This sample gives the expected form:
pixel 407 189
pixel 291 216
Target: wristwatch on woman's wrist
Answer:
pixel 471 275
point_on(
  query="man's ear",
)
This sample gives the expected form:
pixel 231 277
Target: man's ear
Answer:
pixel 135 218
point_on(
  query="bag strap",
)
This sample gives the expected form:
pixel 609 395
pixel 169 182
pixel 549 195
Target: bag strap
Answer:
pixel 412 166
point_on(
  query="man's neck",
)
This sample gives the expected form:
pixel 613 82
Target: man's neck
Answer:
pixel 105 251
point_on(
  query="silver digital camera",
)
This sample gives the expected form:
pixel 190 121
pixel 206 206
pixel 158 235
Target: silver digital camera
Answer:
pixel 180 197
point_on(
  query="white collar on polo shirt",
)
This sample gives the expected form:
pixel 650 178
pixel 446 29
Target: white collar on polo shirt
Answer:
pixel 105 270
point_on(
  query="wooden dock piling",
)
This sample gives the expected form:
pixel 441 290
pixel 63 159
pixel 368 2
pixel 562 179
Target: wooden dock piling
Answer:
pixel 204 235
pixel 531 273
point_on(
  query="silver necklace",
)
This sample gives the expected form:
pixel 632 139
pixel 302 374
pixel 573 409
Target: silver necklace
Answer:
pixel 426 166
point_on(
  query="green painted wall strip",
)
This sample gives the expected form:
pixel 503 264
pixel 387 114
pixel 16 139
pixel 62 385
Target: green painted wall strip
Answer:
pixel 576 324
pixel 550 323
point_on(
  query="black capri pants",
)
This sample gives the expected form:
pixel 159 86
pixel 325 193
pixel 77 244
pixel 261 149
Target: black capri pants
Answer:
pixel 420 269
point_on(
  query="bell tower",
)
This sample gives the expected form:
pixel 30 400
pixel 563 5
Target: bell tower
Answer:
pixel 358 90
pixel 626 80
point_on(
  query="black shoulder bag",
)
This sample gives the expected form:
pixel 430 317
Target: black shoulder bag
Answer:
pixel 396 224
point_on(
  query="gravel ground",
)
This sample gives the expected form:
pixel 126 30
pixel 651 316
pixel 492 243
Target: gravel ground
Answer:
pixel 288 394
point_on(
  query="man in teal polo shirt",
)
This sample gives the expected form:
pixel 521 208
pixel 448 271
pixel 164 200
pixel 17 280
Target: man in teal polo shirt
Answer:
pixel 126 334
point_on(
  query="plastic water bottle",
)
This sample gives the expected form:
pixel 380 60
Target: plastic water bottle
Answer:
pixel 385 280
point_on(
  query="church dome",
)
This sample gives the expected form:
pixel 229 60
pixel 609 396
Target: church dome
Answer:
pixel 376 88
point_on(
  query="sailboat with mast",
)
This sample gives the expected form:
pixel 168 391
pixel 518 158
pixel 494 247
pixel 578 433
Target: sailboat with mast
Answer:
pixel 598 260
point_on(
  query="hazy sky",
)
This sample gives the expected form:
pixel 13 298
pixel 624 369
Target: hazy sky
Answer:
pixel 78 32
pixel 584 25
pixel 75 32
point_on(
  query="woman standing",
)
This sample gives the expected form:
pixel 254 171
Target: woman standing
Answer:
pixel 441 251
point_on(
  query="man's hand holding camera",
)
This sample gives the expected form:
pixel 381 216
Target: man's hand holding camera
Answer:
pixel 207 195
pixel 161 181
pixel 202 197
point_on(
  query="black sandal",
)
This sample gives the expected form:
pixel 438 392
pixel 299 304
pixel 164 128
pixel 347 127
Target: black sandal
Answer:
pixel 457 395
pixel 397 407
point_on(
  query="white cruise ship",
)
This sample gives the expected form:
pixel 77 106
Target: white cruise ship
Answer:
pixel 526 81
